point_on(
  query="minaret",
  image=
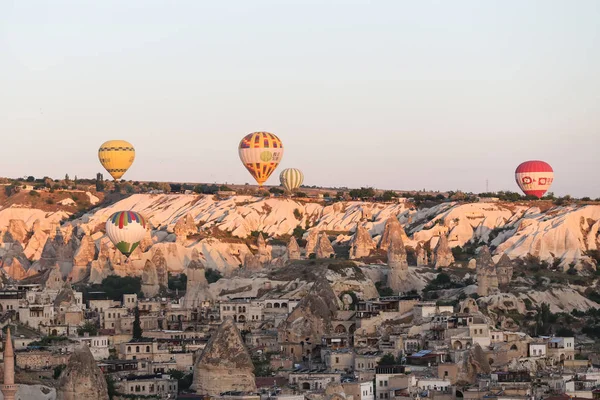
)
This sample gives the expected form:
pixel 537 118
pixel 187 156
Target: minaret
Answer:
pixel 9 389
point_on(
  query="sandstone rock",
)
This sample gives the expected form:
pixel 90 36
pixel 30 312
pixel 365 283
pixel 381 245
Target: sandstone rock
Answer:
pixel 421 253
pixel 86 252
pixel 15 263
pixel 361 243
pixel 392 229
pixel 184 227
pixel 472 264
pixel 474 363
pixel 252 262
pixel 197 285
pixel 35 245
pixel 311 241
pixel 224 364
pixel 469 306
pixel 150 286
pixel 398 265
pixel 147 242
pixel 17 231
pixel 312 316
pixel 264 251
pixel 293 250
pixel 82 379
pixel 504 270
pixel 324 248
pixel 58 251
pixel 487 279
pixel 442 255
pixel 158 259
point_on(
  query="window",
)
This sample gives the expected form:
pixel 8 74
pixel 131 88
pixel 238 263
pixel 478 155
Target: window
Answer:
pixel 137 349
pixel 147 349
pixel 337 360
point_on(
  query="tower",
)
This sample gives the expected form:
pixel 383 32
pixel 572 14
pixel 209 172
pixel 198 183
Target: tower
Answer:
pixel 9 389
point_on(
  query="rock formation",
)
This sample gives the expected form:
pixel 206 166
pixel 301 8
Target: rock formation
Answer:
pixel 421 254
pixel 150 286
pixel 196 289
pixel 35 245
pixel 185 226
pixel 162 271
pixel 86 253
pixel 264 251
pixel 469 306
pixel 392 229
pixel 82 379
pixel 293 250
pixel 324 248
pixel 17 231
pixel 398 265
pixel 442 255
pixel 487 279
pixel 311 241
pixel 504 270
pixel 102 267
pixel 15 263
pixel 59 251
pixel 312 316
pixel 252 262
pixel 361 243
pixel 473 364
pixel 225 364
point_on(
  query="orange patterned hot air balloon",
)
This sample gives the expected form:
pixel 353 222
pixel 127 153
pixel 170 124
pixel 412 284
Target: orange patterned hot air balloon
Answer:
pixel 261 153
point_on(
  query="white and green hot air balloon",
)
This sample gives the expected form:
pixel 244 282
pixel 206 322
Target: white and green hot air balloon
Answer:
pixel 291 179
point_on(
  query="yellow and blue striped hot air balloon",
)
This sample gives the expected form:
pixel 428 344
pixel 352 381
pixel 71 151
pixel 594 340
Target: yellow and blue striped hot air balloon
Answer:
pixel 291 179
pixel 116 156
pixel 261 153
pixel 126 229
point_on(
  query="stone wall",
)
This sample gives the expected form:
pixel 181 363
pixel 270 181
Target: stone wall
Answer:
pixel 40 359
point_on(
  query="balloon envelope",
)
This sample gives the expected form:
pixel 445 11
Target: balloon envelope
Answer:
pixel 534 177
pixel 116 156
pixel 291 179
pixel 260 153
pixel 126 229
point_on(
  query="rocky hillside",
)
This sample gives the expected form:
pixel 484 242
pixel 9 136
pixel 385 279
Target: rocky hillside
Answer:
pixel 224 235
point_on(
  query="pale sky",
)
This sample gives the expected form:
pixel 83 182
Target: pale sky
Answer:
pixel 393 94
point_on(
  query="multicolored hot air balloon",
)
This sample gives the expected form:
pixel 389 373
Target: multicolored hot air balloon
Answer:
pixel 534 177
pixel 126 229
pixel 116 156
pixel 291 179
pixel 261 153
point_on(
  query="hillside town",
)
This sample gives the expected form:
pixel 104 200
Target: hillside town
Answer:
pixel 388 309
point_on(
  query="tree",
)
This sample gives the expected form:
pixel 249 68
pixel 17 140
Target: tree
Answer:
pixel 30 179
pixel 388 195
pixel 115 286
pixel 67 179
pixel 212 275
pixel 387 359
pixel 89 327
pixel 137 326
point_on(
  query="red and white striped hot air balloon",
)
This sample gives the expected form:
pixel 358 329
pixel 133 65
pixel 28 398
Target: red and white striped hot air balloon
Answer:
pixel 534 177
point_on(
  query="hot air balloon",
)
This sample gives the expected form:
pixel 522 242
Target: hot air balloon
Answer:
pixel 116 156
pixel 126 229
pixel 291 179
pixel 261 153
pixel 534 177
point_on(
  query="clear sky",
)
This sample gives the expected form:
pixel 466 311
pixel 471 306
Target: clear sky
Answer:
pixel 394 94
